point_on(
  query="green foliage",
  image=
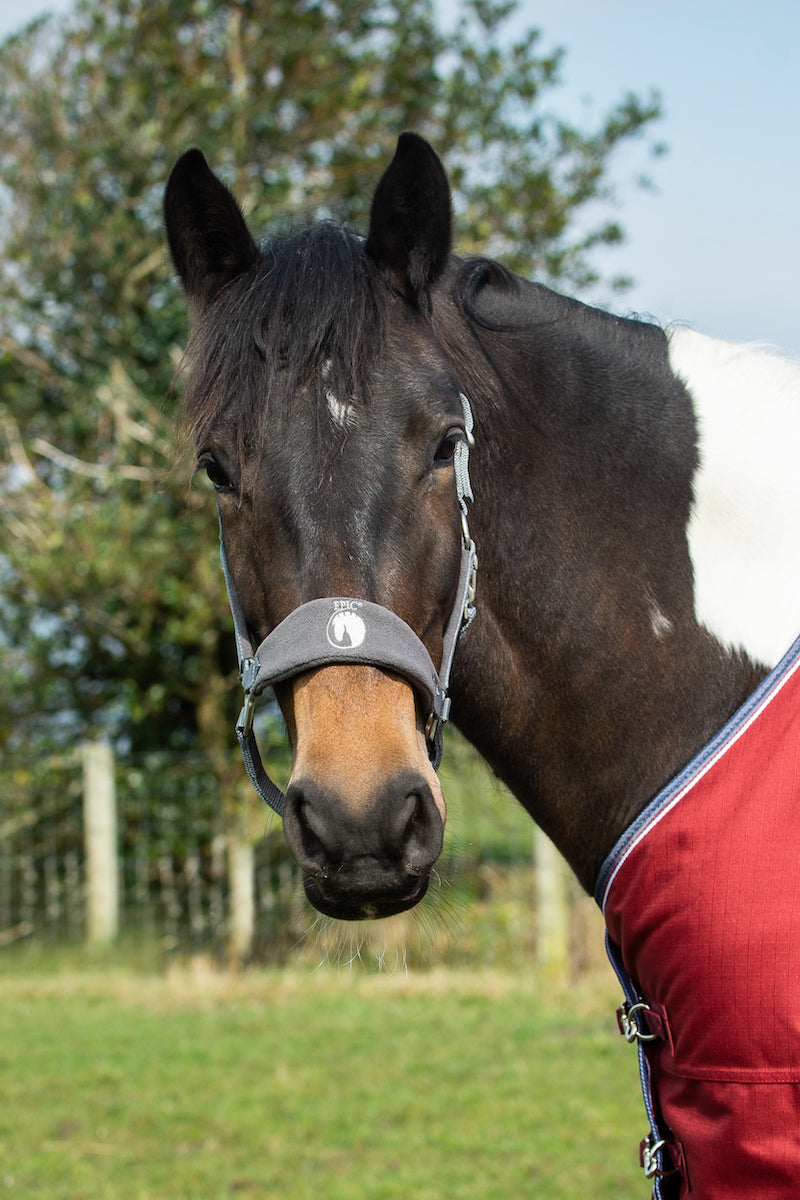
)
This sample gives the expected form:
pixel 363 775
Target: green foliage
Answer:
pixel 113 613
pixel 108 590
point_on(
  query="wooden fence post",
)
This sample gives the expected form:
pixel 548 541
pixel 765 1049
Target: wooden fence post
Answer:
pixel 100 842
pixel 552 907
pixel 241 873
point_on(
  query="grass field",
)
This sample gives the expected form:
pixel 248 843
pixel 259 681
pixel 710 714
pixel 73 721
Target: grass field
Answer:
pixel 194 1085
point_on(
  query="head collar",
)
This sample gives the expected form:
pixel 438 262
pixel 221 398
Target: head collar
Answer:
pixel 350 630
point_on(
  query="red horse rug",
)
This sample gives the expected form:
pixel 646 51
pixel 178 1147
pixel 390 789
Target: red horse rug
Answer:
pixel 701 898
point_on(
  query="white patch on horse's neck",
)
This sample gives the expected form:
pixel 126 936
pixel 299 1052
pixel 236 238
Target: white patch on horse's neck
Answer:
pixel 660 623
pixel 742 533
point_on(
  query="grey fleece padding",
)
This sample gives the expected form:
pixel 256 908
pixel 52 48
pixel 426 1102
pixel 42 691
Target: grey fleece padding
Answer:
pixel 323 633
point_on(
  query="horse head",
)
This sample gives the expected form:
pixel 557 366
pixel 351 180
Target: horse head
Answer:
pixel 328 420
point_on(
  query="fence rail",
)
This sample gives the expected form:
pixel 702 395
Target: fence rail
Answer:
pixel 93 848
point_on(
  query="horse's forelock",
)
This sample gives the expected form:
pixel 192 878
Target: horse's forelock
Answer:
pixel 313 299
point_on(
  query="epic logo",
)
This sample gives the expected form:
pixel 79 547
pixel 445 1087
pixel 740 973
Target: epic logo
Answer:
pixel 346 629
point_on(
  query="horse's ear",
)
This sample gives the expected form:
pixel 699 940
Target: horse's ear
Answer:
pixel 409 230
pixel 208 239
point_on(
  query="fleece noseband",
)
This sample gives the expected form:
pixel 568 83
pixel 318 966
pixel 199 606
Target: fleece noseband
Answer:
pixel 337 630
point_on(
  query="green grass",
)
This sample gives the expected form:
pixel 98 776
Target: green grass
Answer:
pixel 193 1085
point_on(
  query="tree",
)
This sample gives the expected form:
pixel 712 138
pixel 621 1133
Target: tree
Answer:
pixel 113 611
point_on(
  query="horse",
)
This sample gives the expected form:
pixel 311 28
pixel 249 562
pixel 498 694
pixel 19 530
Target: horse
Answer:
pixel 638 584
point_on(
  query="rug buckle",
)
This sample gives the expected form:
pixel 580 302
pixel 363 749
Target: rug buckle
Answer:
pixel 648 1156
pixel 629 1027
pixel 655 1152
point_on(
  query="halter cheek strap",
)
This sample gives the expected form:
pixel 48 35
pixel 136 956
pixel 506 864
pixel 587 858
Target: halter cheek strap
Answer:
pixel 349 630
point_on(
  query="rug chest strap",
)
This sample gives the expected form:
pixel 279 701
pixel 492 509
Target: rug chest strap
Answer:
pixel 647 1025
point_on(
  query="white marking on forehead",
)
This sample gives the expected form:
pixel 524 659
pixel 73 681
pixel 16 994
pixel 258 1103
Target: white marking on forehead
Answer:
pixel 743 528
pixel 342 414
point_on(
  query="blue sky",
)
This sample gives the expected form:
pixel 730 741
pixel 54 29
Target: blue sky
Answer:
pixel 718 244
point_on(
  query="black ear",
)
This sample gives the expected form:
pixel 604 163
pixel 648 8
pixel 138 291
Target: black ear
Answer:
pixel 409 228
pixel 208 239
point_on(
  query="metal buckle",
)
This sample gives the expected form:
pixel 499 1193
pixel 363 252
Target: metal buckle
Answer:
pixel 244 723
pixel 628 1025
pixel 649 1149
pixel 648 1152
pixel 247 673
pixel 437 720
pixel 465 534
pixel 431 726
pixel 473 581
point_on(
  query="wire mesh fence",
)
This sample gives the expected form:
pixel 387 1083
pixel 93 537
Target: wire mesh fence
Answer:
pixel 41 853
pixel 177 853
pixel 171 840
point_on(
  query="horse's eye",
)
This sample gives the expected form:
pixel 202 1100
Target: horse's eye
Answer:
pixel 447 449
pixel 215 473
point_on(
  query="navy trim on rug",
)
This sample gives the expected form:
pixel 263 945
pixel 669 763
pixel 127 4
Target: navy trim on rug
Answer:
pixel 680 783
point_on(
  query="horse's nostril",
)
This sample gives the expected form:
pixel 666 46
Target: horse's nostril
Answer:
pixel 414 820
pixel 370 859
pixel 300 822
pixel 421 838
pixel 312 845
